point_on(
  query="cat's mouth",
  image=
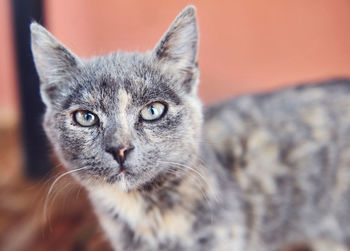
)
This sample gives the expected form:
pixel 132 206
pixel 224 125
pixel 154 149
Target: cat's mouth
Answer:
pixel 121 175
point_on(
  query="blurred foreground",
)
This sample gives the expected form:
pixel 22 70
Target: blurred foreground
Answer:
pixel 70 224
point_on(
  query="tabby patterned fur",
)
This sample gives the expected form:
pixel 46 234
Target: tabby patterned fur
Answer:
pixel 258 172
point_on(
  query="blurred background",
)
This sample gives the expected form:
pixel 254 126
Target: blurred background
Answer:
pixel 245 46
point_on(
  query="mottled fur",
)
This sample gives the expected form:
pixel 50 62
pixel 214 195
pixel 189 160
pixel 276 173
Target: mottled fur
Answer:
pixel 261 172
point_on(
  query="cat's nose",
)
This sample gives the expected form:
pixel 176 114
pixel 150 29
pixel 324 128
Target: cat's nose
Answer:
pixel 120 152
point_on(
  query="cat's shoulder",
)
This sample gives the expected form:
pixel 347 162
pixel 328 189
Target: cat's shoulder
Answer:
pixel 286 119
pixel 296 95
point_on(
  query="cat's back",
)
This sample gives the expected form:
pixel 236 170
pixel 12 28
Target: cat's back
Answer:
pixel 318 113
pixel 290 153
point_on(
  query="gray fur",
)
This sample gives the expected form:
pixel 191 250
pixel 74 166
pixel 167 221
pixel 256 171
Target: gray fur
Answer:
pixel 261 172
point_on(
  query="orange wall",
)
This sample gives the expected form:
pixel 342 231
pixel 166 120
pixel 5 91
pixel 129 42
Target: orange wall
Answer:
pixel 8 90
pixel 245 45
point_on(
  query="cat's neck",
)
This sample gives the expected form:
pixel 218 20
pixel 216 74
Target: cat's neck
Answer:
pixel 169 210
pixel 191 182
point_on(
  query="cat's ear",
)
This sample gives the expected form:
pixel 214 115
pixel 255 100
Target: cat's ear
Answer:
pixel 54 62
pixel 179 45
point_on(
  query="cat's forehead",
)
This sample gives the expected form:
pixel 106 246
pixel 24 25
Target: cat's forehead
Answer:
pixel 104 81
pixel 122 68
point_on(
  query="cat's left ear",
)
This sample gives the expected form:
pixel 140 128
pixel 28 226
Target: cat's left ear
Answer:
pixel 178 47
pixel 54 62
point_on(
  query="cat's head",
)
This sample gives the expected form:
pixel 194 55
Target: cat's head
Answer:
pixel 123 118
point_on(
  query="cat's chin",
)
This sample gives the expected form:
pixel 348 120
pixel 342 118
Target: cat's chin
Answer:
pixel 122 180
pixel 125 181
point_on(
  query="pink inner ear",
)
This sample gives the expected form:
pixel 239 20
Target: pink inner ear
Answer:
pixel 52 59
pixel 179 44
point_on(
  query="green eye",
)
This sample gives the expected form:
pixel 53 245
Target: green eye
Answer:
pixel 153 111
pixel 85 118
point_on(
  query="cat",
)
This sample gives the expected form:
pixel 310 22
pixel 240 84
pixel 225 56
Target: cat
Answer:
pixel 259 172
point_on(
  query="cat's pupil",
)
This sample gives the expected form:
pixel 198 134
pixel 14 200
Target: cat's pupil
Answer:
pixel 152 110
pixel 88 116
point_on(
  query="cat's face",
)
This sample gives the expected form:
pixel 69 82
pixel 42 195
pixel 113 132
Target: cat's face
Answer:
pixel 124 118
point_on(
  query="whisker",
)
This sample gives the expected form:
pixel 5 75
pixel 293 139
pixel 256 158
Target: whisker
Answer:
pixel 185 166
pixel 195 171
pixel 54 183
pixel 78 192
pixel 200 188
pixel 43 184
pixel 55 194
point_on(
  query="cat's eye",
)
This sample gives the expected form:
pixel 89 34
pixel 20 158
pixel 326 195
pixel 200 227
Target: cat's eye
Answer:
pixel 85 118
pixel 153 111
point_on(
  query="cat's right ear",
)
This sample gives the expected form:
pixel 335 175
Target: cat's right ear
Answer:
pixel 177 49
pixel 54 62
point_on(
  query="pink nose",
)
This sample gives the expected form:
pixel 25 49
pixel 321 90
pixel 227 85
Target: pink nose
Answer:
pixel 119 152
